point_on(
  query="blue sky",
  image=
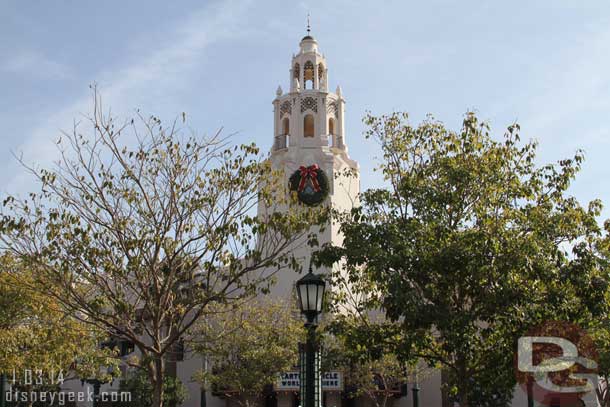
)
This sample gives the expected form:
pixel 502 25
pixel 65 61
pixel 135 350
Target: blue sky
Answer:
pixel 545 64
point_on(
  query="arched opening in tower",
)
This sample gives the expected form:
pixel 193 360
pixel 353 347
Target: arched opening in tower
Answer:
pixel 308 75
pixel 308 126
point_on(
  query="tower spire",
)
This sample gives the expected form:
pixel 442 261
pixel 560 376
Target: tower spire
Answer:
pixel 308 26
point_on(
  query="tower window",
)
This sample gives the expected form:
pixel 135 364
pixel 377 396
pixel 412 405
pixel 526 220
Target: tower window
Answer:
pixel 308 75
pixel 308 126
pixel 320 71
pixel 285 126
pixel 331 126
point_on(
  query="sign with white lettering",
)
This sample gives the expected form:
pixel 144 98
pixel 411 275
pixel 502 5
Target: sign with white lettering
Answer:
pixel 291 381
pixel 332 381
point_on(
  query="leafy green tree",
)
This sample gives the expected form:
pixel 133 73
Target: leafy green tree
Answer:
pixel 599 328
pixel 37 337
pixel 378 379
pixel 140 241
pixel 138 385
pixel 247 348
pixel 358 340
pixel 370 369
pixel 470 243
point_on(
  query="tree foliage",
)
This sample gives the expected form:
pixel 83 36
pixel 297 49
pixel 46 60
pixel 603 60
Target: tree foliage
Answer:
pixel 247 348
pixel 469 244
pixel 364 349
pixel 138 385
pixel 37 337
pixel 140 241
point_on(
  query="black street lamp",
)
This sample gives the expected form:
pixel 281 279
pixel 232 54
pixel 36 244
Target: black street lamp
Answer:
pixel 415 392
pixel 2 390
pixel 96 389
pixel 310 289
pixel 124 349
pixel 97 384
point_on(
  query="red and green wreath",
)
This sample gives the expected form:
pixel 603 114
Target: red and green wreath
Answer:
pixel 310 184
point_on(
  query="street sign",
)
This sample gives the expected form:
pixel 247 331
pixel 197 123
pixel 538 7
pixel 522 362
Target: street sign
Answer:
pixel 291 381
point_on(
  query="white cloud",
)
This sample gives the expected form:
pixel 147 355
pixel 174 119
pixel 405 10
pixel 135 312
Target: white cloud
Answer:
pixel 36 64
pixel 151 74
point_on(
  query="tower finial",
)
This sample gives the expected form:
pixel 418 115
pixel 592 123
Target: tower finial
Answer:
pixel 308 26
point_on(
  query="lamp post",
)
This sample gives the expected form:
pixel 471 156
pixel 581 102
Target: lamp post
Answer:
pixel 2 390
pixel 310 290
pixel 124 349
pixel 530 396
pixel 97 384
pixel 415 389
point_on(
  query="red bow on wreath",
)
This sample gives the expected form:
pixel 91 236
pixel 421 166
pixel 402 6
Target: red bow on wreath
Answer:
pixel 311 173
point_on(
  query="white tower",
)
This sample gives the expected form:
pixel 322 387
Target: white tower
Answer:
pixel 309 130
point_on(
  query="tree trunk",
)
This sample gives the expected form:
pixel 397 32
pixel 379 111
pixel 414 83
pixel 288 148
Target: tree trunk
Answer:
pixel 29 402
pixel 463 382
pixel 158 365
pixel 464 399
pixel 445 388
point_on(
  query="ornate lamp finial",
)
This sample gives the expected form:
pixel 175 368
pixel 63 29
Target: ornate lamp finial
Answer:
pixel 308 26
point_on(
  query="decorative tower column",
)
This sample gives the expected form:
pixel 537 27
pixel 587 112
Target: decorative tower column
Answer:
pixel 309 148
pixel 309 116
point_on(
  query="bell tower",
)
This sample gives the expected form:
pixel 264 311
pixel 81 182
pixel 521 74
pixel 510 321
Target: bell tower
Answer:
pixel 309 115
pixel 309 142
